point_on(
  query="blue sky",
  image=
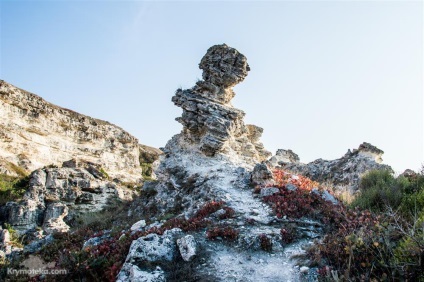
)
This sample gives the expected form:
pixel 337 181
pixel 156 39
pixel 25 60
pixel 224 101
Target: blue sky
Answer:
pixel 325 75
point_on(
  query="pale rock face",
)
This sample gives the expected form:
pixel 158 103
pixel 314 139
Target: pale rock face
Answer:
pixel 262 175
pixel 5 245
pixel 209 120
pixel 56 193
pixel 212 160
pixel 35 133
pixel 370 151
pixel 285 156
pixel 53 218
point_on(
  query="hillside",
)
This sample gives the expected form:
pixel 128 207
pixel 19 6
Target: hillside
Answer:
pixel 214 206
pixel 35 133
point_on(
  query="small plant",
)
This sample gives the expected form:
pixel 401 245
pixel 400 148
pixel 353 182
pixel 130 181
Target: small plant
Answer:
pixel 287 235
pixel 266 243
pixel 15 240
pixel 229 213
pixel 102 171
pixel 227 233
pixel 12 188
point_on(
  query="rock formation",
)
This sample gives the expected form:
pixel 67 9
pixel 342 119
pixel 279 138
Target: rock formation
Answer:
pixel 210 123
pixel 343 174
pixel 58 195
pixel 211 160
pixel 35 133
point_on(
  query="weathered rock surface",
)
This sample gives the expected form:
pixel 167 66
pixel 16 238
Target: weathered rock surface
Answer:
pixel 212 160
pixel 286 156
pixel 187 247
pixel 209 120
pixel 155 248
pixel 57 195
pixel 261 175
pixel 132 273
pixel 344 173
pixel 35 133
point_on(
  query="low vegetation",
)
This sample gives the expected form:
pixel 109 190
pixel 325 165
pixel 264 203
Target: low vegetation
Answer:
pixel 379 236
pixel 12 188
pixel 104 261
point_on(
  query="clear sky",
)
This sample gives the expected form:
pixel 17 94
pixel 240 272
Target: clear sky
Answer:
pixel 325 75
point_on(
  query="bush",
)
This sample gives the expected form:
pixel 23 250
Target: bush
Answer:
pixel 12 188
pixel 383 244
pixel 266 243
pixel 379 190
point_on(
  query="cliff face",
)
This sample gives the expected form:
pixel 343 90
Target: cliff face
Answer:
pixel 35 133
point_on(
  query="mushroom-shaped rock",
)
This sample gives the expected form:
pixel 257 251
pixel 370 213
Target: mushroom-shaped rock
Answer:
pixel 224 66
pixel 211 124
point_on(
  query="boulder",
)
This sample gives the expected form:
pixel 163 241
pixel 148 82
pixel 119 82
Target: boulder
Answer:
pixel 262 175
pixel 188 247
pixel 154 247
pixel 268 191
pixel 138 225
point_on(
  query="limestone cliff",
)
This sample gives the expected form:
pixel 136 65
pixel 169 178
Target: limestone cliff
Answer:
pixel 35 133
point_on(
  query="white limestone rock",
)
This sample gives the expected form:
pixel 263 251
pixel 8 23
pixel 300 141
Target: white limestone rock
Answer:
pixel 132 273
pixel 343 174
pixel 35 133
pixel 188 247
pixel 53 218
pixel 54 193
pixel 138 225
pixel 154 247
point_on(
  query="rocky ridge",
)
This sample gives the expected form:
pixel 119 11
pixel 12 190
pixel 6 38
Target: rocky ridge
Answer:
pixel 343 174
pixel 35 133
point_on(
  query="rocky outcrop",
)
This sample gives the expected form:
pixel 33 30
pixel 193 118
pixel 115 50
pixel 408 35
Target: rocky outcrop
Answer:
pixel 35 133
pixel 56 196
pixel 210 123
pixel 215 150
pixel 343 174
pixel 211 160
pixel 286 156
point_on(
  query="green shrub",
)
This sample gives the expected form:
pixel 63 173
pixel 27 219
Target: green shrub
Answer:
pixel 12 188
pixel 413 204
pixel 379 190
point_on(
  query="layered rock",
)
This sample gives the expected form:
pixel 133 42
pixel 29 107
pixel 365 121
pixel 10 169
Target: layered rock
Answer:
pixel 35 133
pixel 344 173
pixel 211 160
pixel 210 123
pixel 56 196
pixel 286 156
pixel 215 151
